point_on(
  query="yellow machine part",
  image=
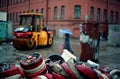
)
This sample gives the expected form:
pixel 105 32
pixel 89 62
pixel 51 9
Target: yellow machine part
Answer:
pixel 40 38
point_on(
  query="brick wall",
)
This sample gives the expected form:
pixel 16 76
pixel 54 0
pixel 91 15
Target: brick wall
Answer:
pixel 69 22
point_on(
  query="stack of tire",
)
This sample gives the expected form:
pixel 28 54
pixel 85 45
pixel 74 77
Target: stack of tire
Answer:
pixel 79 71
pixel 70 72
pixel 33 65
pixel 10 71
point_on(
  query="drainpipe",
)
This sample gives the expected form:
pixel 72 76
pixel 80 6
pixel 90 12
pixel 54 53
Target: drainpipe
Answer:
pixel 106 36
pixel 107 9
pixel 46 12
pixel 28 5
pixel 7 8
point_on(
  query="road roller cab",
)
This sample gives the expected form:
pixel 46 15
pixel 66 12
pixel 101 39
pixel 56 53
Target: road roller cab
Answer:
pixel 30 33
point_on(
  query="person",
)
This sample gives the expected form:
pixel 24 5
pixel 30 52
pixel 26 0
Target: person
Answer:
pixel 67 42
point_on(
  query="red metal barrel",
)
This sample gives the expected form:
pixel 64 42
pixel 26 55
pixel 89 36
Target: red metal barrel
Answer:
pixel 33 65
pixel 87 72
pixel 69 71
pixel 89 41
pixel 10 71
pixel 57 76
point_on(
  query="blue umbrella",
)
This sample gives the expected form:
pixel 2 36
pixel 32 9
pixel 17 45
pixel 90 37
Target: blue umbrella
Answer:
pixel 66 31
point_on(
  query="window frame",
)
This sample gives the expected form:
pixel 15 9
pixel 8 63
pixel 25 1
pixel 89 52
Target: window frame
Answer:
pixel 98 14
pixel 55 12
pixel 91 13
pixel 77 11
pixel 62 12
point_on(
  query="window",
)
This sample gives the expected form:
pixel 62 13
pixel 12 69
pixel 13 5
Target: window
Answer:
pixel 111 16
pixel 42 12
pixel 62 12
pixel 8 2
pixel 16 16
pixel 18 1
pixel 98 14
pixel 105 15
pixel 38 23
pixel 77 11
pixel 32 11
pixel 15 1
pixel 10 16
pixel 0 3
pixel 116 17
pixel 91 13
pixel 55 12
pixel 37 11
pixel 13 16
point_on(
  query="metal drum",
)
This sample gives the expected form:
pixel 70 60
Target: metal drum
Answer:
pixel 10 70
pixel 33 65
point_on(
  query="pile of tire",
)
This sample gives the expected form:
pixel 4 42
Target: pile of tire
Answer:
pixel 33 65
pixel 10 70
pixel 70 69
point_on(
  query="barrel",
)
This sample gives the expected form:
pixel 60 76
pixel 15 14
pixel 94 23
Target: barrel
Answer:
pixel 69 71
pixel 33 65
pixel 57 76
pixel 10 70
pixel 87 72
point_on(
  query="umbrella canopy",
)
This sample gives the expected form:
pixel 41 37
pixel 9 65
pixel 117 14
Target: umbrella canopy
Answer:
pixel 66 31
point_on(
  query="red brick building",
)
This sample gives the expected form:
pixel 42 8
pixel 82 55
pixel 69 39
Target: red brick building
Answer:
pixel 66 14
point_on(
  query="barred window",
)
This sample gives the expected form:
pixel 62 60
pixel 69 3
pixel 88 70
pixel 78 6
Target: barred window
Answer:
pixel 62 12
pixel 105 15
pixel 92 13
pixel 77 11
pixel 116 17
pixel 55 12
pixel 111 16
pixel 98 14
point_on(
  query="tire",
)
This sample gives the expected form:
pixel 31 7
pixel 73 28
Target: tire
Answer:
pixel 55 58
pixel 30 44
pixel 115 74
pixel 32 65
pixel 50 41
